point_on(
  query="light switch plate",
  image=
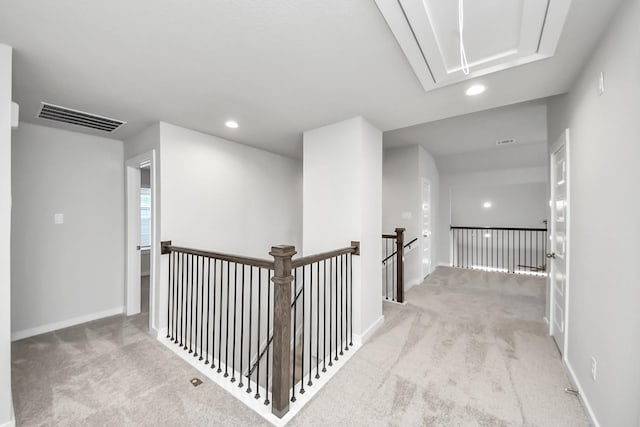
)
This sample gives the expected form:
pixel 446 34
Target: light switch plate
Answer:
pixel 58 218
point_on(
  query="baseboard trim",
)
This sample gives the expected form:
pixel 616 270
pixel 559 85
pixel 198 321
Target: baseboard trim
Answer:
pixel 257 405
pixel 26 333
pixel 581 394
pixel 413 283
pixel 10 423
pixel 444 264
pixel 394 302
pixel 364 337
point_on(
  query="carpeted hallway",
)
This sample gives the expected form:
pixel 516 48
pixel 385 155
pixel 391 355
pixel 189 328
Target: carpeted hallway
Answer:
pixel 469 349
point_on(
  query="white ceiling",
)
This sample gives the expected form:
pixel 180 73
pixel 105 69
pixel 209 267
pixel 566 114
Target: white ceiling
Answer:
pixel 525 122
pixel 278 67
pixel 508 157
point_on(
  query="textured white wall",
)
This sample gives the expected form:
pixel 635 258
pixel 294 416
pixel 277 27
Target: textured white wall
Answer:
pixel 403 170
pixel 223 196
pixel 76 269
pixel 604 319
pixel 6 403
pixel 512 205
pixel 342 199
pixel 401 195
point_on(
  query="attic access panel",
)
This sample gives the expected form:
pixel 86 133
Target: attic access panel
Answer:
pixel 498 34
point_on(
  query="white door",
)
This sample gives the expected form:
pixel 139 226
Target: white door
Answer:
pixel 133 241
pixel 426 228
pixel 558 241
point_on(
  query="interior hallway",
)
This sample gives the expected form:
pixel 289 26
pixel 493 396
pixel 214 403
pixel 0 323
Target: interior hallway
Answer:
pixel 470 348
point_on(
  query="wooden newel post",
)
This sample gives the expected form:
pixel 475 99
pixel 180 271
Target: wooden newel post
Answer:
pixel 281 366
pixel 400 264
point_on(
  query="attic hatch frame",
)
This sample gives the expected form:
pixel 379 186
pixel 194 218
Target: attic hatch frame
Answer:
pixel 541 25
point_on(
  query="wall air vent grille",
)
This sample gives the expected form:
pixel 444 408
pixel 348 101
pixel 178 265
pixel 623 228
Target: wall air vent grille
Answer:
pixel 505 141
pixel 79 118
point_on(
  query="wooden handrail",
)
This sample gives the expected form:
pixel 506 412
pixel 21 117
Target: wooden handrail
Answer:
pixel 282 266
pixel 415 239
pixel 306 260
pixel 389 236
pixel 255 262
pixel 467 227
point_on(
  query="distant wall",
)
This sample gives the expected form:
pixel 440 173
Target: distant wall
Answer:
pixel 518 196
pixel 223 196
pixel 512 205
pixel 401 202
pixel 402 174
pixel 71 272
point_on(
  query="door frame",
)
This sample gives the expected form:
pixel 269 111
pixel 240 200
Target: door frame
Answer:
pixel 132 237
pixel 423 182
pixel 563 139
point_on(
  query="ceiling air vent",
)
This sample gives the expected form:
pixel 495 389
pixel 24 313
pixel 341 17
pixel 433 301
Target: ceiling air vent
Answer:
pixel 79 118
pixel 505 141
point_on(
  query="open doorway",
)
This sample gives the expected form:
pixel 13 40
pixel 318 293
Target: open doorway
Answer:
pixel 145 237
pixel 141 249
pixel 426 228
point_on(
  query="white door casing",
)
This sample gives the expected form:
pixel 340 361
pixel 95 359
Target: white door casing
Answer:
pixel 133 269
pixel 558 251
pixel 425 226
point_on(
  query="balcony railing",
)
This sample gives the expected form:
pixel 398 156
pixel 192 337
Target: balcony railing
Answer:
pixel 501 249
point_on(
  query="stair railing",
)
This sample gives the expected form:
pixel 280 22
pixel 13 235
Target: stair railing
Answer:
pixel 222 309
pixel 393 265
pixel 499 249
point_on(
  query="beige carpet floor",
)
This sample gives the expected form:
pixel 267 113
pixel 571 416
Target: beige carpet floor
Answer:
pixel 469 349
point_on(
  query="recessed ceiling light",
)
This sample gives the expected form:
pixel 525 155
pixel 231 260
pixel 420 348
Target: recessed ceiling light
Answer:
pixel 486 205
pixel 231 124
pixel 475 90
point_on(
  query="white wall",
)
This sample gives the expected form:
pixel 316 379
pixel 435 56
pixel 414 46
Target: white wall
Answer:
pixel 512 205
pixel 401 202
pixel 6 403
pixel 494 182
pixel 147 140
pixel 342 201
pixel 604 319
pixel 68 273
pixel 223 196
pixel 403 170
pixel 517 156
